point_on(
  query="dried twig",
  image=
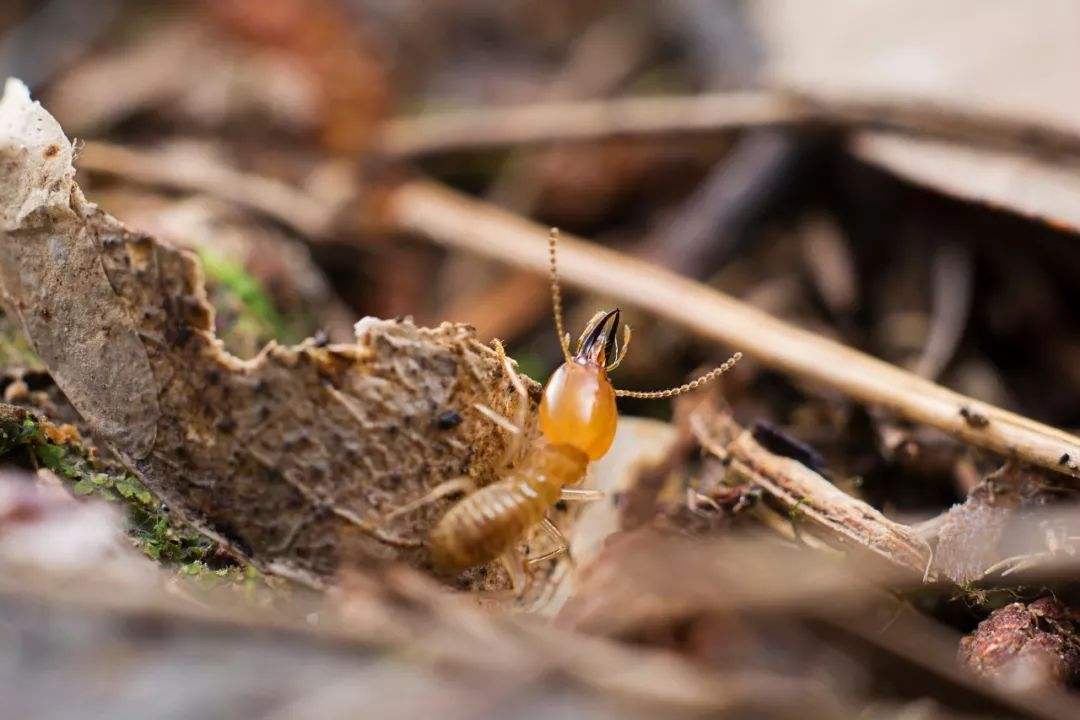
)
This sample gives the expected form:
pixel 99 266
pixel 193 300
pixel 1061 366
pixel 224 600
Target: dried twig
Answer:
pixel 680 115
pixel 458 221
pixel 808 498
pixel 191 167
pixel 953 288
pixel 585 120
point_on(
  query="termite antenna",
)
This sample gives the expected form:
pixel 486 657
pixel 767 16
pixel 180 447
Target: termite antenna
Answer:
pixel 688 387
pixel 556 296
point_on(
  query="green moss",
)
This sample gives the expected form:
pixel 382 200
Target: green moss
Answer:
pixel 149 526
pixel 15 434
pixel 256 318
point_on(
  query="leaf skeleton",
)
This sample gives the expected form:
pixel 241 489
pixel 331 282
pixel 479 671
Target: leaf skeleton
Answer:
pixel 578 418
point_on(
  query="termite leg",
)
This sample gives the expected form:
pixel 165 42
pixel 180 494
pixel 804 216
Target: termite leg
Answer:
pixel 393 540
pixel 515 568
pixel 375 530
pixel 511 373
pixel 513 449
pixel 696 501
pixel 581 494
pixel 557 536
pixel 497 419
pixel 454 486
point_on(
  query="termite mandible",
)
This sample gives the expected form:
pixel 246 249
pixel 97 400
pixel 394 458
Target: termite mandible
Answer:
pixel 578 418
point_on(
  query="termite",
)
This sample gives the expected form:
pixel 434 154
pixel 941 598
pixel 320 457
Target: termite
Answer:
pixel 578 419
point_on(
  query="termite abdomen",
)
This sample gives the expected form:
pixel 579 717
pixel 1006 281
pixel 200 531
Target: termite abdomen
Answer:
pixel 488 522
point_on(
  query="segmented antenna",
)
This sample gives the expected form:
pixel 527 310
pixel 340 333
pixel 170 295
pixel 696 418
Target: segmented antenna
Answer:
pixel 688 387
pixel 556 296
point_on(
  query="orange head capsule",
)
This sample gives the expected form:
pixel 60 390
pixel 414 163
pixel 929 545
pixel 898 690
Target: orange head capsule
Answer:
pixel 578 408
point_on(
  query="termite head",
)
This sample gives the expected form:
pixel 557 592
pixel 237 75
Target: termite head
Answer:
pixel 578 408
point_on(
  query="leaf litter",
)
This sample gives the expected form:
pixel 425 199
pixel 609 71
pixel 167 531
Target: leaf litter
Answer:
pixel 845 601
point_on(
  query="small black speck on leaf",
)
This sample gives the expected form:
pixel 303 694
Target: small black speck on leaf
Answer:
pixel 448 419
pixel 1064 459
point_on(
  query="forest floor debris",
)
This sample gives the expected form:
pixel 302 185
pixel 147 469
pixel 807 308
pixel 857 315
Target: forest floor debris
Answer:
pixel 877 518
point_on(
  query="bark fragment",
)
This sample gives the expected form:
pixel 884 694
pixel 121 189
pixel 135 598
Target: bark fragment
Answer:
pixel 808 498
pixel 1026 646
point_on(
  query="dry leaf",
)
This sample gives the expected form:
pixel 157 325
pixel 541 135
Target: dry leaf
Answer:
pixel 1003 60
pixel 1039 188
pixel 54 280
pixel 289 459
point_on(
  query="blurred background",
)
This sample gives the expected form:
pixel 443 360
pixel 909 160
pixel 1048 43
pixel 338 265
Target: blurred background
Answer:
pixel 928 214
